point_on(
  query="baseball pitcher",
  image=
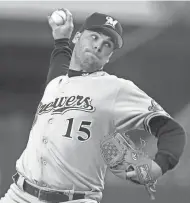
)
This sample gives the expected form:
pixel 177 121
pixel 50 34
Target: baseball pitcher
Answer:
pixel 79 130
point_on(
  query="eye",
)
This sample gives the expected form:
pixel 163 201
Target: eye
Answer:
pixel 108 44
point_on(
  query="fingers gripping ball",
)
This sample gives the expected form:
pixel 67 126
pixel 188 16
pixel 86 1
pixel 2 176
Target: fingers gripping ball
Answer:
pixel 121 156
pixel 59 17
pixel 61 23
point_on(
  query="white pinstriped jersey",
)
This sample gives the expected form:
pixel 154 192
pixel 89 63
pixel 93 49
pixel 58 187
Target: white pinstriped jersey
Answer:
pixel 72 118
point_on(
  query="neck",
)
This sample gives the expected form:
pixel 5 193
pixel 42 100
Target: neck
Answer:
pixel 75 65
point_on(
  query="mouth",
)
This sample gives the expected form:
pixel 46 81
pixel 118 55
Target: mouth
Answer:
pixel 91 53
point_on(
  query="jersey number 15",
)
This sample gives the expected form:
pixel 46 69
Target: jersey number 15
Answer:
pixel 82 128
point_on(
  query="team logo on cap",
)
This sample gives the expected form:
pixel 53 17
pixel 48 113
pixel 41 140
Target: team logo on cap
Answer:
pixel 110 21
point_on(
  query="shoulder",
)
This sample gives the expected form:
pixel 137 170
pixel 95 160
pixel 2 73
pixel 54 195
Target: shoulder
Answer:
pixel 116 79
pixel 127 87
pixel 122 86
pixel 51 89
pixel 122 83
pixel 53 83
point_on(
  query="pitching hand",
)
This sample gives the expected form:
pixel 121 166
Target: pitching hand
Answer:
pixel 62 31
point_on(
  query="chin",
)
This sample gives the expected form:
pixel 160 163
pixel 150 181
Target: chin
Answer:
pixel 90 65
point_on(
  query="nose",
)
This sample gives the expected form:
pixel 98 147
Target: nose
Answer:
pixel 98 46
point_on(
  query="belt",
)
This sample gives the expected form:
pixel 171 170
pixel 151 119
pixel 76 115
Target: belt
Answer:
pixel 44 195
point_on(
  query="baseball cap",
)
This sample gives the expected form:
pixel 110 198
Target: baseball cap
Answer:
pixel 107 24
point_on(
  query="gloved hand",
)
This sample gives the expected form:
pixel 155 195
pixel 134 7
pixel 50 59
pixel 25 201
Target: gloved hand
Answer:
pixel 62 31
pixel 130 163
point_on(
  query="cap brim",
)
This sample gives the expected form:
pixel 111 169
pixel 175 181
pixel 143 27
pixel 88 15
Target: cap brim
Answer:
pixel 112 33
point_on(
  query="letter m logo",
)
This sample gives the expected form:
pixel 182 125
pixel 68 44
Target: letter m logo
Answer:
pixel 110 21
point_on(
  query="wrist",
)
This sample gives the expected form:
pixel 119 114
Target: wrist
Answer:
pixel 58 34
pixel 62 42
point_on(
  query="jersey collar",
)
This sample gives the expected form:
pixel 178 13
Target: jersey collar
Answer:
pixel 74 73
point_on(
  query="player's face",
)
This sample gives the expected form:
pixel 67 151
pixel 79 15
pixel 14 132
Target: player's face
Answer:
pixel 93 50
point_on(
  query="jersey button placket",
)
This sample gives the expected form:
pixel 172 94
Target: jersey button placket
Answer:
pixel 44 162
pixel 45 140
pixel 63 84
pixel 50 121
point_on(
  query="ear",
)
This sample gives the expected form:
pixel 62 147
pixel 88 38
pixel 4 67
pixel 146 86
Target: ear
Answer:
pixel 76 37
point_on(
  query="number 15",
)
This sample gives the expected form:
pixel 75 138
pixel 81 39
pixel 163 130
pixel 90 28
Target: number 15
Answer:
pixel 82 128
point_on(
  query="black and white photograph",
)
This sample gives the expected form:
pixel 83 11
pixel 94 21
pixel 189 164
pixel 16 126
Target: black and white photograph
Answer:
pixel 94 101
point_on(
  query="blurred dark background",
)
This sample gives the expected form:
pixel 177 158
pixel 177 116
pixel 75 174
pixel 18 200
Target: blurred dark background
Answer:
pixel 156 56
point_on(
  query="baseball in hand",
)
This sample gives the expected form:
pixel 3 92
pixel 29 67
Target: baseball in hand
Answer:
pixel 59 17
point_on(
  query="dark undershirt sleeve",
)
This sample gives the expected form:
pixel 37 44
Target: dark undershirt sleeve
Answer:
pixel 171 141
pixel 60 59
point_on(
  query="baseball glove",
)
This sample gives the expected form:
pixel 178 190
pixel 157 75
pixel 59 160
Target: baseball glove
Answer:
pixel 121 156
